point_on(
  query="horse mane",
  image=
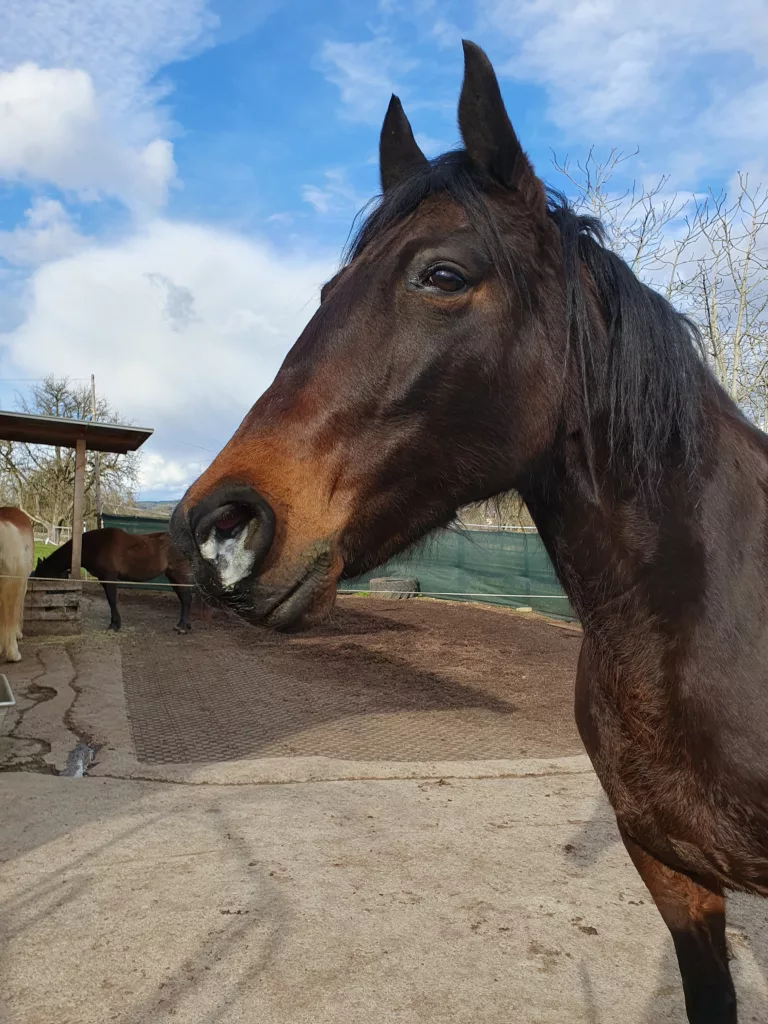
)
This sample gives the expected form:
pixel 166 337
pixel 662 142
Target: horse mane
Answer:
pixel 646 386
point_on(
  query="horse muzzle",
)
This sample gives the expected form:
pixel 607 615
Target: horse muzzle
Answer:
pixel 229 538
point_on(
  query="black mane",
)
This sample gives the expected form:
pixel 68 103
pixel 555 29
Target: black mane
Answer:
pixel 647 387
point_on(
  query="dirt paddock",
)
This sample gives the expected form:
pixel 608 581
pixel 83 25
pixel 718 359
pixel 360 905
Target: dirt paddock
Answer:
pixel 388 818
pixel 415 680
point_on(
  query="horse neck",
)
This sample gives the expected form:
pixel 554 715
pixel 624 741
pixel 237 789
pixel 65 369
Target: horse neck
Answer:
pixel 61 558
pixel 640 553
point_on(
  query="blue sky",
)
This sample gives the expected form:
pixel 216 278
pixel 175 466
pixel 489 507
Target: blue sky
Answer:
pixel 177 177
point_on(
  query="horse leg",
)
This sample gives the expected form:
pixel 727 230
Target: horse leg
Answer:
pixel 20 619
pixel 110 589
pixel 695 915
pixel 10 592
pixel 184 595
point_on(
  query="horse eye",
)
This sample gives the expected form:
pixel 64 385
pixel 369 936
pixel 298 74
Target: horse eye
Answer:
pixel 445 279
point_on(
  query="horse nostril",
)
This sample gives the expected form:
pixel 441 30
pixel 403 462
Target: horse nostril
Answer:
pixel 232 522
pixel 233 529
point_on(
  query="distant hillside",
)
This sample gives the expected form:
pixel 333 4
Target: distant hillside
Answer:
pixel 156 508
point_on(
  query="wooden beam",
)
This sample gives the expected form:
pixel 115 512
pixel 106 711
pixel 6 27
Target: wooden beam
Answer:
pixel 77 511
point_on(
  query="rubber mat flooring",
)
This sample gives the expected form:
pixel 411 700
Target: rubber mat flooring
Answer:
pixel 359 693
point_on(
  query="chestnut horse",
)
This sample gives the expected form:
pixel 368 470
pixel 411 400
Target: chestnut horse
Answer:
pixel 114 556
pixel 479 337
pixel 17 553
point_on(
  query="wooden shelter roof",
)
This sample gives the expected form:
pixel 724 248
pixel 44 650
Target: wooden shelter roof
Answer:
pixel 59 430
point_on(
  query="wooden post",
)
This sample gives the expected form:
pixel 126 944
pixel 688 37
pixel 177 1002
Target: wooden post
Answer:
pixel 77 511
pixel 96 460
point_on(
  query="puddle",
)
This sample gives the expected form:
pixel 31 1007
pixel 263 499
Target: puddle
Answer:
pixel 79 761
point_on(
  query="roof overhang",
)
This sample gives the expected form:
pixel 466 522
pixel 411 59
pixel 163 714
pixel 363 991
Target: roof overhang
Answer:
pixel 59 430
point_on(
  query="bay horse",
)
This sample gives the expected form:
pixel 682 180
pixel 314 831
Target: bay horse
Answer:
pixel 114 556
pixel 17 554
pixel 480 337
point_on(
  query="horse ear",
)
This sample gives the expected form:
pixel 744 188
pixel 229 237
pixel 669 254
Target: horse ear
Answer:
pixel 488 135
pixel 399 153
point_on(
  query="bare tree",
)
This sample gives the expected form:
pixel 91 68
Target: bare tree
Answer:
pixel 706 253
pixel 40 478
pixel 728 293
pixel 642 222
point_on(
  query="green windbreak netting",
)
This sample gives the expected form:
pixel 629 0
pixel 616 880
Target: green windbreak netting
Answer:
pixel 495 566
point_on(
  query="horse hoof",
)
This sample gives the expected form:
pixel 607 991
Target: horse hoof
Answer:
pixel 13 656
pixel 182 630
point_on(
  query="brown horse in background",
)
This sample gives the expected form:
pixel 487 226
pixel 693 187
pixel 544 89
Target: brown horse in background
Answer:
pixel 114 556
pixel 478 338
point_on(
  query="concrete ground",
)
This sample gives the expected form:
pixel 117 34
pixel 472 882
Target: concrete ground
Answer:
pixel 312 890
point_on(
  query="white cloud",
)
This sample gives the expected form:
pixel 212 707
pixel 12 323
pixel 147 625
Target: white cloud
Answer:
pixel 744 115
pixel 281 218
pixel 445 33
pixel 430 146
pixel 179 306
pixel 615 69
pixel 80 101
pixel 366 75
pixel 48 234
pixel 336 196
pixel 53 130
pixel 121 44
pixel 169 475
pixel 183 325
pixel 318 198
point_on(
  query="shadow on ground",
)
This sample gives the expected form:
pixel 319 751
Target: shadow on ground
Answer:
pixel 406 681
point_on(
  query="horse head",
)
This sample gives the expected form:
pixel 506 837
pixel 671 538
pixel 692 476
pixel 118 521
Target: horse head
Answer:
pixel 47 568
pixel 422 382
pixel 462 350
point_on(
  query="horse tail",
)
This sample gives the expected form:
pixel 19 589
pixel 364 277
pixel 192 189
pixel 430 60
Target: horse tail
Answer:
pixel 17 549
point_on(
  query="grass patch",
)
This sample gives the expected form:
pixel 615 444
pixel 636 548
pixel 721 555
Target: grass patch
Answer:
pixel 43 549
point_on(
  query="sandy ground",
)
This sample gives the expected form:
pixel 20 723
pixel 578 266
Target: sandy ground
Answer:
pixel 326 874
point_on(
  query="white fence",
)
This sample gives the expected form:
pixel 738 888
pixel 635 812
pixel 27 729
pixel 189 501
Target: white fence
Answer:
pixel 56 535
pixel 491 526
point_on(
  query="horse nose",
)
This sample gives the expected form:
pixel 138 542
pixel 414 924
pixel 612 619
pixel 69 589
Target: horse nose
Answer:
pixel 233 529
